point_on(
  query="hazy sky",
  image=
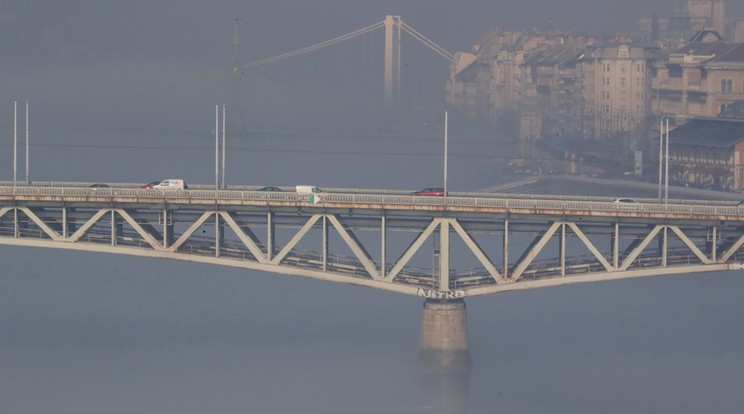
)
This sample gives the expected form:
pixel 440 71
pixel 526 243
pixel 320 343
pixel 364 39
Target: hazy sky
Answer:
pixel 91 58
pixel 93 29
pixel 92 333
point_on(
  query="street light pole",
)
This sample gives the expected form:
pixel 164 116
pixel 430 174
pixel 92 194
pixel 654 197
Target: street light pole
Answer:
pixel 661 153
pixel 666 173
pixel 224 185
pixel 15 142
pixel 216 147
pixel 445 153
pixel 28 181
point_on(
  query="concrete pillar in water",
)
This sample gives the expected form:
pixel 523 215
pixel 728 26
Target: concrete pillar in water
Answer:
pixel 444 356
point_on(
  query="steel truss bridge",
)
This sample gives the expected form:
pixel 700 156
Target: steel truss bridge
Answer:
pixel 511 242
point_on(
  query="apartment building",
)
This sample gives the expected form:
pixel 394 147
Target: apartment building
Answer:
pixel 699 79
pixel 615 89
pixel 527 77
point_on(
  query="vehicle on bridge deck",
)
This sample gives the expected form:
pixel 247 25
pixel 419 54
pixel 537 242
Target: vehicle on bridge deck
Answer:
pixel 270 188
pixel 169 184
pixel 430 192
pixel 625 200
pixel 307 189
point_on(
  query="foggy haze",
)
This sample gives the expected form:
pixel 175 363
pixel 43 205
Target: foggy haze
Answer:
pixel 124 91
pixel 86 60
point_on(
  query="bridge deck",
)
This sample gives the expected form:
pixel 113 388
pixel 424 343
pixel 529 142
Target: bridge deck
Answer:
pixel 592 239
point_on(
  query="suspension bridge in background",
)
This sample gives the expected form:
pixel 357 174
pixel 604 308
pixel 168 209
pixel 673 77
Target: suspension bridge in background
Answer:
pixel 393 27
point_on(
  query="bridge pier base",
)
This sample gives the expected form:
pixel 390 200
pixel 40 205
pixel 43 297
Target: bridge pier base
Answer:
pixel 444 357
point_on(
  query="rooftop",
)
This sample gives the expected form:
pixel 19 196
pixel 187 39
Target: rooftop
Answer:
pixel 709 132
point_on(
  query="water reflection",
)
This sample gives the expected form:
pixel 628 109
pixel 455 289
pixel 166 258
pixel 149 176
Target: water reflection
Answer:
pixel 444 357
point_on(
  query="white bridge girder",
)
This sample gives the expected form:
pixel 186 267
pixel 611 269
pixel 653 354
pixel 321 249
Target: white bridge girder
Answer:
pixel 234 241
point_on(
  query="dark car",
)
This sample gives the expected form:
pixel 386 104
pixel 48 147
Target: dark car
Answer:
pixel 270 188
pixel 99 185
pixel 430 192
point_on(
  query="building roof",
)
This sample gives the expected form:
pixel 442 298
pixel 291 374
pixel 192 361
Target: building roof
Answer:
pixel 703 48
pixel 553 55
pixel 734 54
pixel 705 132
pixel 706 36
pixel 712 52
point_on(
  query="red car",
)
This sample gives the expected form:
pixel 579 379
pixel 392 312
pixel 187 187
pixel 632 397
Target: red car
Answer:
pixel 430 192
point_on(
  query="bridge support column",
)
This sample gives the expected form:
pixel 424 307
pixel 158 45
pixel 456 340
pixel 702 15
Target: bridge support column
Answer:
pixel 167 228
pixel 712 243
pixel 69 223
pixel 444 356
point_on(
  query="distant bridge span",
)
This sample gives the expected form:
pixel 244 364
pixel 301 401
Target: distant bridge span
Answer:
pixel 374 238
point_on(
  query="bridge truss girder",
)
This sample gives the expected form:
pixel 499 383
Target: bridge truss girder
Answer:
pixel 233 238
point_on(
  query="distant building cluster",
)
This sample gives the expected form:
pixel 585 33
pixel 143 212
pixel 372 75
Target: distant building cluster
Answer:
pixel 614 89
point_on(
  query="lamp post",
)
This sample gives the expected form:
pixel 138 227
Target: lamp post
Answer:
pixel 445 153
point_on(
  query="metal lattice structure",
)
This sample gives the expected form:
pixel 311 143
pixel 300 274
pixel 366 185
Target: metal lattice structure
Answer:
pixel 370 238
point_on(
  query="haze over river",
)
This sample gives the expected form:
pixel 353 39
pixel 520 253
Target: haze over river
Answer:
pixel 94 333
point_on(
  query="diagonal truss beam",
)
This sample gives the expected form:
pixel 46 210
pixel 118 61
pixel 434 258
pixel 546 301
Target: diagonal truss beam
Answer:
pixel 43 226
pixel 731 250
pixel 249 239
pixel 356 247
pixel 88 224
pixel 186 234
pixel 141 231
pixel 695 250
pixel 295 239
pixel 638 249
pixel 412 249
pixel 589 245
pixel 536 247
pixel 477 251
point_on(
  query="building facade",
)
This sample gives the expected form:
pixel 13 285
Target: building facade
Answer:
pixel 698 80
pixel 708 154
pixel 615 91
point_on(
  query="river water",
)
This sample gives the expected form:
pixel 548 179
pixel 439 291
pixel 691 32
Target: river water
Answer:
pixel 83 332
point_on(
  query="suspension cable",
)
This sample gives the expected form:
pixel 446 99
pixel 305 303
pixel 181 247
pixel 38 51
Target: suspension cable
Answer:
pixel 433 46
pixel 314 47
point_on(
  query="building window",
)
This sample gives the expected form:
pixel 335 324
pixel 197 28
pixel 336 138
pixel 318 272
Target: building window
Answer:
pixel 607 81
pixel 622 69
pixel 622 81
pixel 727 85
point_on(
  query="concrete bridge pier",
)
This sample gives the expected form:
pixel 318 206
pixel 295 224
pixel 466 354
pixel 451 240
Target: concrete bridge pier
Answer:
pixel 444 357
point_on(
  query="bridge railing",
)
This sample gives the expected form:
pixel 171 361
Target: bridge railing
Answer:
pixel 328 198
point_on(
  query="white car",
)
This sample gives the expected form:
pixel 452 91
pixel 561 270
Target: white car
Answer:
pixel 625 200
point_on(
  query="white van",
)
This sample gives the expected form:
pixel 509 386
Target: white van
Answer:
pixel 312 192
pixel 307 189
pixel 172 184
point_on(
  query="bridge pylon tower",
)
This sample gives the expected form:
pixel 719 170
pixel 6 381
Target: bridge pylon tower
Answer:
pixel 236 90
pixel 392 59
